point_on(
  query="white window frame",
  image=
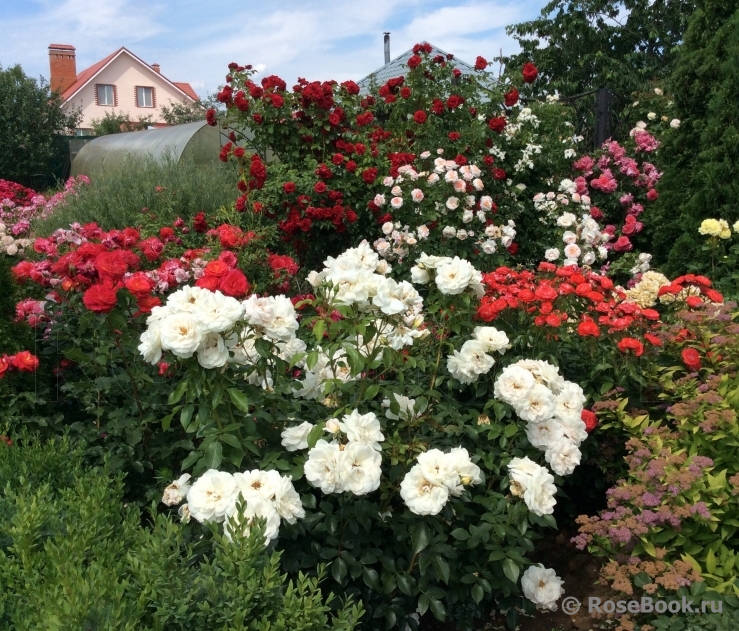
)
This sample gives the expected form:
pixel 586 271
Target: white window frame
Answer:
pixel 141 93
pixel 106 89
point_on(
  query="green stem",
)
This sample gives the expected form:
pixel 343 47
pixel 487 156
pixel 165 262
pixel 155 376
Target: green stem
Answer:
pixel 438 356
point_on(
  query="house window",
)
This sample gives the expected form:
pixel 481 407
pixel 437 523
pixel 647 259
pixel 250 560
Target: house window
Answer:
pixel 144 97
pixel 106 94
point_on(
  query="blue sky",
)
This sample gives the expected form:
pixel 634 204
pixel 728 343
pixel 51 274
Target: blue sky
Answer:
pixel 194 40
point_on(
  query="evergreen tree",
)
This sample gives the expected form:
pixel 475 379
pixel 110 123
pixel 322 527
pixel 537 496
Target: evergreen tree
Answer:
pixel 701 160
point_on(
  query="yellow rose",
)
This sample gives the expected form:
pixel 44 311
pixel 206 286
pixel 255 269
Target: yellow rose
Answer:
pixel 710 227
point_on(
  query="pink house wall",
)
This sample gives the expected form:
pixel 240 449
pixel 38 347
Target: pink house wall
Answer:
pixel 125 73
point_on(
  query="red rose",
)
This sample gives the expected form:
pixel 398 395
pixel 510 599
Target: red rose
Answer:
pixel 199 223
pixel 210 117
pixel 623 245
pixel 529 72
pixel 510 98
pixel 414 61
pixel 713 295
pixel 694 302
pixel 217 268
pixel 631 344
pixel 320 187
pixel 420 117
pixel 454 135
pixel 553 320
pixel 147 303
pixel 289 187
pixel 481 63
pixel 499 174
pixel 405 93
pixel 140 285
pixel 234 284
pixel 239 152
pixel 369 175
pixel 545 292
pixel 337 159
pixel 25 361
pixel 652 194
pixel 590 420
pixel 210 283
pixel 588 327
pixel 653 339
pixel 100 298
pixel 114 264
pixel 351 166
pixel 691 359
pixel 497 124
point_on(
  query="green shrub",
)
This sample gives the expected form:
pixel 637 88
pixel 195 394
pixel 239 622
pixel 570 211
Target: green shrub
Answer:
pixel 73 556
pixel 168 189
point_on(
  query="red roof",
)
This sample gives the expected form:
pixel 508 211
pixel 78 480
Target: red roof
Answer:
pixel 187 89
pixel 88 73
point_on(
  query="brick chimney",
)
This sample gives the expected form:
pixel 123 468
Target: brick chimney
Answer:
pixel 156 68
pixel 63 66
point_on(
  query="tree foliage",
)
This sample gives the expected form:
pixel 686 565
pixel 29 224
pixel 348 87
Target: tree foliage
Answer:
pixel 702 158
pixel 30 115
pixel 183 112
pixel 116 123
pixel 581 45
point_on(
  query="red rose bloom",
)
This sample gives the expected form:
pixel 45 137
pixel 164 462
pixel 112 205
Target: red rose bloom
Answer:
pixel 234 284
pixel 140 285
pixel 147 303
pixel 199 223
pixel 499 174
pixel 529 72
pixel 217 268
pixel 497 124
pixel 114 264
pixel 100 298
pixel 590 420
pixel 691 359
pixel 414 61
pixel 369 175
pixel 652 339
pixel 588 327
pixel 405 93
pixel 481 63
pixel 208 282
pixel 510 98
pixel 25 361
pixel 420 117
pixel 210 117
pixel 631 344
pixel 320 187
pixel 351 166
pixel 289 187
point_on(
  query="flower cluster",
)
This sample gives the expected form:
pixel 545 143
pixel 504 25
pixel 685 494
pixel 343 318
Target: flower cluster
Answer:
pixel 534 484
pixel 215 497
pixel 452 276
pixel 435 477
pixel 10 244
pixel 473 360
pixel 23 361
pixel 718 228
pixel 551 407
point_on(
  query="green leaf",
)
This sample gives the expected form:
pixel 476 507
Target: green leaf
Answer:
pixel 176 395
pixel 477 593
pixel 191 460
pixel 460 534
pixel 318 329
pixel 186 415
pixel 423 604
pixel 511 570
pixel 338 570
pixel 213 455
pixel 239 399
pixel 405 583
pixel 442 568
pixel 437 608
pixel 371 578
pixel 420 537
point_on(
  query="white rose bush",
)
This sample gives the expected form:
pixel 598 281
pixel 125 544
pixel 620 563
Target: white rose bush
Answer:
pixel 336 421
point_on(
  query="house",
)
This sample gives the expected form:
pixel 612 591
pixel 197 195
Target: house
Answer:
pixel 398 67
pixel 121 82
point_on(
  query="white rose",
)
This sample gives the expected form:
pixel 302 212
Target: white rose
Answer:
pixel 493 339
pixel 542 435
pixel 539 496
pixel 213 496
pixel 181 333
pixel 569 402
pixel 513 385
pixel 396 202
pixel 563 456
pixel 675 123
pixel 489 246
pixel 361 464
pixel 256 507
pixel 322 468
pixel 552 254
pixel 362 428
pixel 454 276
pixel 213 352
pixel 542 587
pixel 449 232
pixel 295 438
pixel 151 343
pixel 177 491
pixel 419 275
pixel 462 235
pixel 422 495
pixel 537 405
pixel 452 203
pixel 406 407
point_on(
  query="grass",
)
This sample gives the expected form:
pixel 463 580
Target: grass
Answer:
pixel 115 199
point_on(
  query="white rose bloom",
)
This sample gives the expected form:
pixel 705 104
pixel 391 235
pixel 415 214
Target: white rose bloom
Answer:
pixel 563 456
pixel 213 496
pixel 569 402
pixel 513 385
pixel 452 203
pixel 388 181
pixel 151 343
pixel 256 507
pixel 462 235
pixel 589 258
pixel 361 464
pixel 177 491
pixel 421 495
pixel 486 202
pixel 379 200
pixel 454 276
pixel 406 405
pixel 467 216
pixel 396 202
pixel 572 251
pixel 574 430
pixel 294 438
pixel 433 178
pixel 315 279
pixel 288 349
pixel 651 116
pixel 520 471
pixel 332 426
pixel 423 232
pixel 259 311
pixel 544 372
pixel 477 183
pixel 539 496
pixel 552 254
pixel 675 123
pixel 542 587
pixel 566 220
pixel 284 321
pixel 569 237
pixel 489 246
pixel 181 333
pixel 419 275
pixel 217 312
pixel 285 499
pixel 459 369
pixel 542 435
pixel 493 339
pixel 537 406
pixel 257 483
pixel 449 232
pixel 468 472
pixel 362 428
pixel 473 353
pixel 431 262
pixel 213 352
pixel 451 176
pixel 387 227
pixel 322 468
pixel 189 298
